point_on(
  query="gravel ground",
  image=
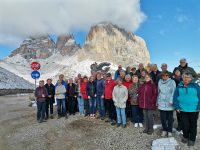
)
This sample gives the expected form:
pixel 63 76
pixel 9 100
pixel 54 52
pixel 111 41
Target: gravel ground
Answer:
pixel 19 130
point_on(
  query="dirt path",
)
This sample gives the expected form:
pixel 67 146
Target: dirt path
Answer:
pixel 19 130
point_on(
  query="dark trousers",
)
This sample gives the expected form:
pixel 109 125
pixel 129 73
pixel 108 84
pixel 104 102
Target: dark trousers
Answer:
pixel 49 104
pixel 128 109
pixel 137 114
pixel 189 124
pixel 86 107
pixel 111 109
pixel 41 107
pixel 148 119
pixel 178 120
pixel 71 102
pixel 166 120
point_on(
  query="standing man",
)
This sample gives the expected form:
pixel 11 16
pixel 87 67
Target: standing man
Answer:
pixel 117 72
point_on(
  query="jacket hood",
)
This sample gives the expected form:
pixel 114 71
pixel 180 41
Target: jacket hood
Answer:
pixel 165 81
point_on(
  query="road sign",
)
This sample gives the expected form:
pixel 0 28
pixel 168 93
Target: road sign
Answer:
pixel 35 65
pixel 35 74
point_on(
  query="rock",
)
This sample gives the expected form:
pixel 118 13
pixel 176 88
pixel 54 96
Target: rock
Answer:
pixel 67 45
pixel 35 47
pixel 108 42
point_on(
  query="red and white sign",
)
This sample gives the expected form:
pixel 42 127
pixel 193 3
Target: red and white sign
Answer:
pixel 35 65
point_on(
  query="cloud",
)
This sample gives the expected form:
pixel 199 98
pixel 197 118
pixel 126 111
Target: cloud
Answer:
pixel 182 18
pixel 21 18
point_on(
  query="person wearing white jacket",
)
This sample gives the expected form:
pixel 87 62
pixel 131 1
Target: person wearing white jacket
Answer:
pixel 120 96
pixel 166 89
pixel 60 92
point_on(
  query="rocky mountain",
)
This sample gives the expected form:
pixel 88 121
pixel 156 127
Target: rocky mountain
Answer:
pixel 67 45
pixel 9 80
pixel 106 41
pixel 35 47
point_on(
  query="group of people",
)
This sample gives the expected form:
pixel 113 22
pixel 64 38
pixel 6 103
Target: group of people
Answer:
pixel 133 94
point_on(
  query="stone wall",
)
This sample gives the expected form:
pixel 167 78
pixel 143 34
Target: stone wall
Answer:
pixel 14 91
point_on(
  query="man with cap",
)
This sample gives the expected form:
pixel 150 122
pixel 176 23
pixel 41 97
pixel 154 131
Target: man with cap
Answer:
pixel 183 68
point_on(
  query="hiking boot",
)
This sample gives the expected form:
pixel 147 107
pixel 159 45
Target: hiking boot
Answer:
pixel 164 133
pixel 59 117
pixel 118 125
pixel 113 122
pixel 184 140
pixel 51 116
pixel 191 143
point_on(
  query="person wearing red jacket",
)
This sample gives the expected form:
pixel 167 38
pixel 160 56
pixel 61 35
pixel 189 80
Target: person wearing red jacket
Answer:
pixel 109 86
pixel 147 96
pixel 128 83
pixel 84 94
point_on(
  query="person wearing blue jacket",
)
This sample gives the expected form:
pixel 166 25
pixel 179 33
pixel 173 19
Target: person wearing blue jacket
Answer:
pixel 186 101
pixel 166 88
pixel 100 95
pixel 117 72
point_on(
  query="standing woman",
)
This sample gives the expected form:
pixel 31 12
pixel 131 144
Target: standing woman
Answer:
pixel 120 96
pixel 85 96
pixel 91 92
pixel 187 103
pixel 50 99
pixel 147 95
pixel 137 115
pixel 80 97
pixel 166 88
pixel 71 94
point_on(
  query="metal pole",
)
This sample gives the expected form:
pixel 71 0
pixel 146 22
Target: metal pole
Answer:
pixel 35 83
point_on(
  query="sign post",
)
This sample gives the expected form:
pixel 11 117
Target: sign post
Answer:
pixel 35 74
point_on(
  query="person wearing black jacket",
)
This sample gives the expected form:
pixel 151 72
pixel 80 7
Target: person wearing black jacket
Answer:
pixel 50 99
pixel 71 94
pixel 154 74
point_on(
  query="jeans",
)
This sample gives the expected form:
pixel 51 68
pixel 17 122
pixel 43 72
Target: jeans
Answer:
pixel 189 124
pixel 137 114
pixel 166 120
pixel 80 104
pixel 61 106
pixel 111 109
pixel 121 115
pixel 86 106
pixel 71 102
pixel 92 102
pixel 148 119
pixel 101 106
pixel 41 108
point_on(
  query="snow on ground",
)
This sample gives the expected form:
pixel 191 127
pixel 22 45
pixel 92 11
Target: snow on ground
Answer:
pixel 50 67
pixel 9 80
pixel 164 144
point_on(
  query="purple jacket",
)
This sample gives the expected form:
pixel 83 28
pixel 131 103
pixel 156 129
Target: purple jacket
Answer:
pixel 39 92
pixel 147 95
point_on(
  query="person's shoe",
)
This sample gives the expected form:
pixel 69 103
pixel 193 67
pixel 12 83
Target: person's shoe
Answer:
pixel 113 122
pixel 169 134
pixel 102 118
pixel 44 120
pixel 150 132
pixel 59 117
pixel 40 121
pixel 140 125
pixel 184 140
pixel 108 120
pixel 191 143
pixel 164 133
pixel 118 125
pixel 124 126
pixel 145 131
pixel 51 116
pixel 136 125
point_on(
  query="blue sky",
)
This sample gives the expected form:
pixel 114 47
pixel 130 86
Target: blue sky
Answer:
pixel 171 31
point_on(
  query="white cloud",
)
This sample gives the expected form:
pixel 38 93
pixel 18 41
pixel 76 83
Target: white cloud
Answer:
pixel 21 18
pixel 182 18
